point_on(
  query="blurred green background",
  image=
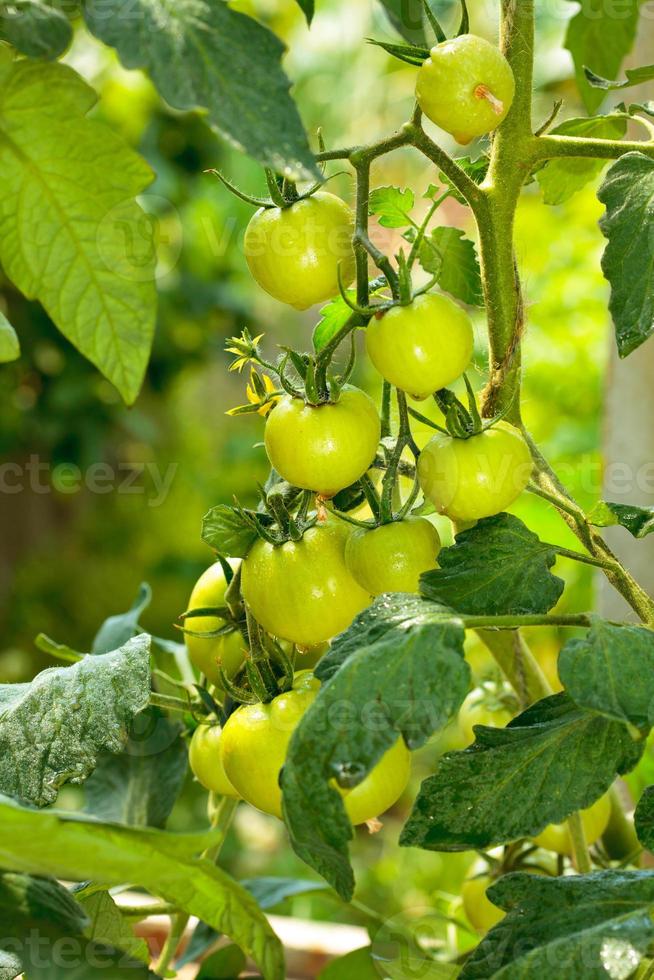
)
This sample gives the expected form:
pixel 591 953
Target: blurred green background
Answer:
pixel 70 556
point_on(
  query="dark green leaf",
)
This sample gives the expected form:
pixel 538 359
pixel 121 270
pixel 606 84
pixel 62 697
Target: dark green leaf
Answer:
pixel 227 963
pixel 392 205
pixel 628 260
pixel 560 179
pixel 9 345
pixel 644 819
pixel 412 680
pixel 139 786
pixel 308 9
pixel 53 729
pixel 226 530
pixel 35 28
pixel 611 670
pixel 204 54
pixel 357 965
pixel 551 760
pixel 27 902
pixel 498 567
pixel 594 926
pixel 599 38
pixel 452 258
pixel 334 316
pixel 639 521
pixel 410 54
pixel 119 629
pixel 634 76
pixel 407 18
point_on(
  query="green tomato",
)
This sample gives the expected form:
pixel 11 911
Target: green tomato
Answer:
pixel 479 909
pixel 205 759
pixel 423 346
pixel 302 591
pixel 294 253
pixel 472 478
pixel 392 557
pixel 466 86
pixel 556 837
pixel 323 447
pixel 477 709
pixel 254 745
pixel 206 654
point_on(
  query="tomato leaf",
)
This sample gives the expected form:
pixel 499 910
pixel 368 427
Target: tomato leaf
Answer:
pixel 452 258
pixel 407 18
pixel 551 760
pixel 35 28
pixel 204 54
pixel 639 521
pixel 140 785
pixel 308 9
pixel 498 567
pixel 392 206
pixel 633 76
pixel 644 819
pixel 593 926
pixel 475 169
pixel 226 530
pixel 334 315
pixel 71 233
pixel 9 345
pixel 76 848
pixel 357 965
pixel 397 676
pixel 53 729
pixel 118 629
pixel 596 37
pixel 560 179
pixel 628 260
pixel 109 927
pixel 611 671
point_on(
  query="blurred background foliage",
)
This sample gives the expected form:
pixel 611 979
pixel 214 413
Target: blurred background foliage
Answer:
pixel 71 556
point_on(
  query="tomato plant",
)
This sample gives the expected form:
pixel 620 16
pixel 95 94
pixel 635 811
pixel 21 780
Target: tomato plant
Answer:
pixel 391 558
pixel 205 760
pixel 212 653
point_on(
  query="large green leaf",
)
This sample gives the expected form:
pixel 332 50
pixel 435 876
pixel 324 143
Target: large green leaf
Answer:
pixel 551 760
pixel 560 179
pixel 598 39
pixel 451 257
pixel 76 848
pixel 497 567
pixel 35 28
pixel 611 670
pixel 53 729
pixel 411 681
pixel 628 260
pixel 71 233
pixel 118 629
pixel 108 926
pixel 9 345
pixel 595 926
pixel 201 53
pixel 639 521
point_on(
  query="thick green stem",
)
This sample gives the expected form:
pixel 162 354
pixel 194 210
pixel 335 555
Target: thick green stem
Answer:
pixel 517 663
pixel 579 846
pixel 178 923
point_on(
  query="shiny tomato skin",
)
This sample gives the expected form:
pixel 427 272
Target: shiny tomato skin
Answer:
pixel 205 760
pixel 392 557
pixel 323 448
pixel 294 253
pixel 208 654
pixel 302 591
pixel 421 347
pixel 254 746
pixel 468 479
pixel 479 909
pixel 595 818
pixel 447 87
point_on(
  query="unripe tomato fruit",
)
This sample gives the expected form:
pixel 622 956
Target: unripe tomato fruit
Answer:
pixel 421 347
pixel 294 253
pixel 323 447
pixel 466 86
pixel 475 710
pixel 302 591
pixel 205 759
pixel 479 909
pixel 392 557
pixel 254 745
pixel 595 819
pixel 226 651
pixel 477 477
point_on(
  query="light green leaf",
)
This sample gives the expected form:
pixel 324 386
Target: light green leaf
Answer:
pixel 34 28
pixel 628 260
pixel 333 317
pixel 78 849
pixel 447 254
pixel 560 179
pixel 9 345
pixel 551 760
pixel 498 567
pixel 107 926
pixel 639 521
pixel 596 926
pixel 226 531
pixel 10 966
pixel 392 206
pixel 53 729
pixel 71 233
pixel 598 39
pixel 201 53
pixel 633 76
